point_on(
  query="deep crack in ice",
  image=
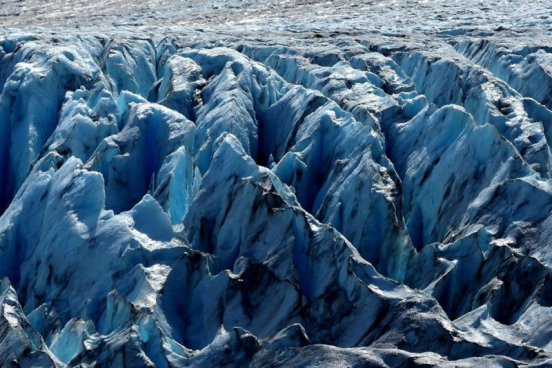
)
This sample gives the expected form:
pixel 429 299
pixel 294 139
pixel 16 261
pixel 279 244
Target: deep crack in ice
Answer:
pixel 288 183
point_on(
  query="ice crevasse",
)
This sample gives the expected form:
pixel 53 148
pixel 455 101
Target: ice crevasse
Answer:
pixel 187 202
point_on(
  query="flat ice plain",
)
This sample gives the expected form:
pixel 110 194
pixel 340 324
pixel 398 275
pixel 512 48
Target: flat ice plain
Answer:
pixel 277 183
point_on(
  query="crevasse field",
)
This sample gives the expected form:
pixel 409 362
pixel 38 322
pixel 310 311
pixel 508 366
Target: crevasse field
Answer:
pixel 275 184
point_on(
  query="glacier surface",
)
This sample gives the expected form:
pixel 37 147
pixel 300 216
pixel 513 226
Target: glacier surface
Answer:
pixel 285 183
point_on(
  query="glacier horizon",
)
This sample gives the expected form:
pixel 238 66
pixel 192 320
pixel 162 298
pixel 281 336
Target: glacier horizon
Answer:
pixel 198 198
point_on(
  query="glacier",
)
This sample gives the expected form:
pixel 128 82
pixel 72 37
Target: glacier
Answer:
pixel 285 183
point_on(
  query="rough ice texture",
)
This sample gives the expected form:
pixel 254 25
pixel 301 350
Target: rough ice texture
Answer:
pixel 275 184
